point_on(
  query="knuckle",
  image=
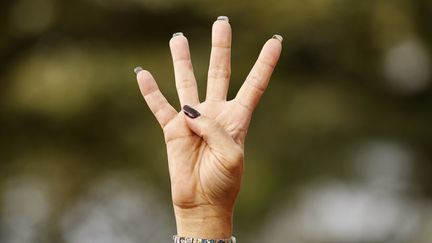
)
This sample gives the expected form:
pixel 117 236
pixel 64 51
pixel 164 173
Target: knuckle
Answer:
pixel 256 83
pixel 219 73
pixel 186 83
pixel 268 63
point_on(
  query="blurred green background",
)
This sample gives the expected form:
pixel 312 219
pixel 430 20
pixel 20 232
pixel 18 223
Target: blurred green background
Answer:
pixel 339 149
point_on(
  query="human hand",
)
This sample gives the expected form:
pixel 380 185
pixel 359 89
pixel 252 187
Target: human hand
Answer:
pixel 205 143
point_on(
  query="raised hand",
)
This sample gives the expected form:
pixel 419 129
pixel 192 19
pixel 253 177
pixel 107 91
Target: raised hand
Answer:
pixel 205 141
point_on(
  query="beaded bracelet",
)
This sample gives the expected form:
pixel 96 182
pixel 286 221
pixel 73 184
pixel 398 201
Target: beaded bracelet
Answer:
pixel 179 239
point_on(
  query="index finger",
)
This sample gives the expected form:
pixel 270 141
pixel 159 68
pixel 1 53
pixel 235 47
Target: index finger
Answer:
pixel 257 81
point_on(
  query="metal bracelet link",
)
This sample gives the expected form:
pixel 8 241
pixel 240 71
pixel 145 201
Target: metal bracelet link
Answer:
pixel 180 239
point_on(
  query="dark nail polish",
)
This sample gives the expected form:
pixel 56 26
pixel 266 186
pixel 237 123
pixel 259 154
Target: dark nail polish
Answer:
pixel 191 112
pixel 138 69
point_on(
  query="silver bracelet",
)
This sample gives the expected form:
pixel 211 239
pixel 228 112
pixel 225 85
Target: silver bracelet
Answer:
pixel 180 239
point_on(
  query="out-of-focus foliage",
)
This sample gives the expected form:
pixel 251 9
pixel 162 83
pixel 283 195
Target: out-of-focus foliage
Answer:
pixel 339 150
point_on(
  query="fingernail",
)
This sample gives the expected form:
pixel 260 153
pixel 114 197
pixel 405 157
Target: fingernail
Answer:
pixel 138 69
pixel 278 37
pixel 191 112
pixel 223 18
pixel 178 34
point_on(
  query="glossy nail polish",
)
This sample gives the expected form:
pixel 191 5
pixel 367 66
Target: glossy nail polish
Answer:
pixel 278 37
pixel 190 112
pixel 223 18
pixel 178 34
pixel 138 69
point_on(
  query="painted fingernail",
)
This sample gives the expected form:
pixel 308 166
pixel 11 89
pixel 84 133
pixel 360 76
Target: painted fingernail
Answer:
pixel 278 37
pixel 223 18
pixel 178 34
pixel 138 69
pixel 191 112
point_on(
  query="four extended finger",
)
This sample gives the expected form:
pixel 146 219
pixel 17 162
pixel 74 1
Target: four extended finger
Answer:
pixel 157 103
pixel 183 70
pixel 257 81
pixel 220 60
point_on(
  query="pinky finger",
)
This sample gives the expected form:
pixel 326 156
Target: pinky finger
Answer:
pixel 157 103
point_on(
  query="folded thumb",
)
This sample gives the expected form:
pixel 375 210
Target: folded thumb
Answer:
pixel 213 134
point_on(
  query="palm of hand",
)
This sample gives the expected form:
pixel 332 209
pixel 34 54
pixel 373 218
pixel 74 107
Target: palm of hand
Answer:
pixel 201 175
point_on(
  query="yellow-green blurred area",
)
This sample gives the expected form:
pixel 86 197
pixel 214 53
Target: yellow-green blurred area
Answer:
pixel 339 149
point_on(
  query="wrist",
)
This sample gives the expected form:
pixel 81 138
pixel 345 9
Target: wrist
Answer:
pixel 204 222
